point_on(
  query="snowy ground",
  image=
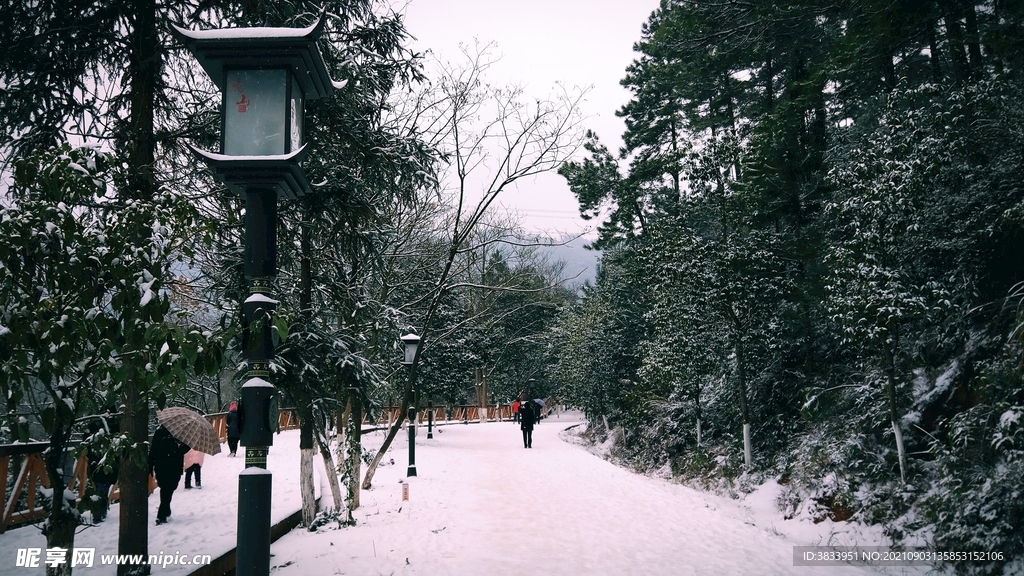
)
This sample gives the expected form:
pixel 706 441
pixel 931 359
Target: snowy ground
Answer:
pixel 202 521
pixel 482 504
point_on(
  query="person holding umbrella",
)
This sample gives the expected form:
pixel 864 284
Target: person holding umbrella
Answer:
pixel 538 408
pixel 180 430
pixel 527 418
pixel 166 461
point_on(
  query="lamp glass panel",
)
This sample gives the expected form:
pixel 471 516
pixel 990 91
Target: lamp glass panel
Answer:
pixel 410 351
pixel 295 137
pixel 254 112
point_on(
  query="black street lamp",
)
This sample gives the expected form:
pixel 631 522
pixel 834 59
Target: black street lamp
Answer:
pixel 411 342
pixel 265 75
pixel 430 419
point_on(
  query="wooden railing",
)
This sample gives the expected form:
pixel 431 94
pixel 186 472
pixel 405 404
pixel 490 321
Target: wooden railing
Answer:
pixel 32 476
pixel 389 414
pixel 441 414
pixel 286 420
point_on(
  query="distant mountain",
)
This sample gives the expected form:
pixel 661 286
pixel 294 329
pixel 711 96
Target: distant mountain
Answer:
pixel 578 260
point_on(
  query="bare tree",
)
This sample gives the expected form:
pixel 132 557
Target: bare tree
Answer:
pixel 490 139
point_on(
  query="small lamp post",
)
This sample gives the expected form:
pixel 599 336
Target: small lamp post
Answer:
pixel 531 405
pixel 430 419
pixel 265 75
pixel 411 342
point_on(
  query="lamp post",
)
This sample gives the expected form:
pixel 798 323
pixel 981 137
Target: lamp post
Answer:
pixel 430 419
pixel 530 384
pixel 265 75
pixel 411 342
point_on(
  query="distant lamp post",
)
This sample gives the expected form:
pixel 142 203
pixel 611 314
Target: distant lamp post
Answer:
pixel 430 419
pixel 411 342
pixel 531 405
pixel 265 75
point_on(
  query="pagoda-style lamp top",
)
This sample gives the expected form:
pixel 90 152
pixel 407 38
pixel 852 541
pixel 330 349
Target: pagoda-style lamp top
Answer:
pixel 264 75
pixel 411 343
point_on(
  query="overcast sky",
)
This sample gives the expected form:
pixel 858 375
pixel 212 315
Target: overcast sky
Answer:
pixel 541 42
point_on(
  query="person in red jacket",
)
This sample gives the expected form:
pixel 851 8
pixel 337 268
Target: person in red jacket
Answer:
pixel 515 411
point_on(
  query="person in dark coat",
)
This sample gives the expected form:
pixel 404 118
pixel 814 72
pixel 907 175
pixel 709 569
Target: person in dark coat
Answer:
pixel 232 421
pixel 167 462
pixel 103 474
pixel 527 418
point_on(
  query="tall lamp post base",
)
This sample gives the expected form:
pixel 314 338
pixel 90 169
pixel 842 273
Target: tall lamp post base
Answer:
pixel 254 491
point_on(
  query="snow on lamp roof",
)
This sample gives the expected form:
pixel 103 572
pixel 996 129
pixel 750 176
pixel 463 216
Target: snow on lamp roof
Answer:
pixel 262 48
pixel 279 172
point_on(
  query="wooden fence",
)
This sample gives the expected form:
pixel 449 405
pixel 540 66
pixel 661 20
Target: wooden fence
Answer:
pixel 444 414
pixel 32 476
pixel 286 420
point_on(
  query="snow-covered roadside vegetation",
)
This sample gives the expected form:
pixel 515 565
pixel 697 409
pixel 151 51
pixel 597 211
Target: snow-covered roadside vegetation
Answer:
pixel 812 266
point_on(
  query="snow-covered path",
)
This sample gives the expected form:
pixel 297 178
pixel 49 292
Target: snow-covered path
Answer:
pixel 482 504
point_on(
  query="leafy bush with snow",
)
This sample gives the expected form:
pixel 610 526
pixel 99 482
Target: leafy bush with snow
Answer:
pixel 978 499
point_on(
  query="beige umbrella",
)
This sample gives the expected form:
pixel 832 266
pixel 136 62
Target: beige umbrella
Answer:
pixel 190 428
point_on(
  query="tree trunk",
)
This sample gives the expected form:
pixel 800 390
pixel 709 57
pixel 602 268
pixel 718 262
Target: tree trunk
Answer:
pixel 744 409
pixel 133 481
pixel 406 400
pixel 697 395
pixel 302 397
pixel 480 375
pixel 955 40
pixel 890 389
pixel 933 55
pixel 306 489
pixel 368 480
pixel 973 39
pixel 353 443
pixel 332 471
pixel 676 176
pixel 60 525
pixel 133 478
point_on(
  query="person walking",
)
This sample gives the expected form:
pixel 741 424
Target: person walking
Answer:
pixel 103 473
pixel 194 467
pixel 166 462
pixel 232 422
pixel 515 411
pixel 527 418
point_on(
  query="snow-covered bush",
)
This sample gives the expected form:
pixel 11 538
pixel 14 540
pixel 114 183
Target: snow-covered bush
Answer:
pixel 978 499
